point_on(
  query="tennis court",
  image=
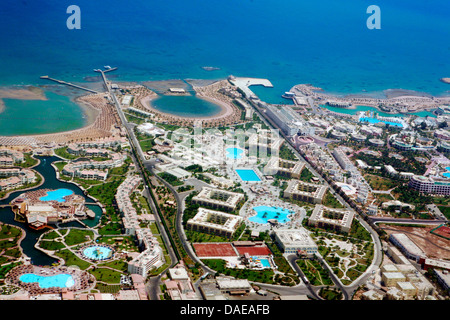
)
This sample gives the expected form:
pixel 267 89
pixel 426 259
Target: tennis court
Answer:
pixel 214 250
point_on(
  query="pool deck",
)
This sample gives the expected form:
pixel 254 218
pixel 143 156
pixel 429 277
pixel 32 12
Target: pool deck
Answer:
pixel 83 280
pixel 270 200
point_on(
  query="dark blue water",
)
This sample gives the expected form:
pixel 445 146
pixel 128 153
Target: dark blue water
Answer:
pixel 7 216
pixel 185 106
pixel 323 42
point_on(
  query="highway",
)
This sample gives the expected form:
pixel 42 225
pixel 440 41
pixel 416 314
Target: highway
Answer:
pixel 153 284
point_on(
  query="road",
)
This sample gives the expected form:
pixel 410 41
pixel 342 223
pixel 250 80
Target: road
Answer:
pixel 305 288
pixel 378 254
pixel 154 282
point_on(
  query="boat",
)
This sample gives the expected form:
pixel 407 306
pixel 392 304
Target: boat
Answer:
pixel 107 67
pixel 210 68
pixel 288 95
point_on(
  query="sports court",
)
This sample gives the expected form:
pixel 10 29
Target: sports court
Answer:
pixel 214 250
pixel 254 250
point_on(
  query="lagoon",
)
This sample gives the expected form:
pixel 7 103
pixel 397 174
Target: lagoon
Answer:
pixel 7 216
pixel 185 106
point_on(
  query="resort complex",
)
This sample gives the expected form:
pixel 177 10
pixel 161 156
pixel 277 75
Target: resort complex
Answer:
pixel 232 205
pixel 316 197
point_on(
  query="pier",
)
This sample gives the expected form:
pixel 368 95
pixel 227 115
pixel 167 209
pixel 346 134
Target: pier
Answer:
pixel 68 84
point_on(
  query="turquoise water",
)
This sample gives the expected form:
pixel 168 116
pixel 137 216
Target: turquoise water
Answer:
pixel 375 110
pixel 234 153
pixel 28 243
pixel 25 117
pixel 447 174
pixel 57 195
pixel 58 281
pixel 373 120
pixel 264 213
pixel 265 262
pixel 97 252
pixel 247 175
pixel 185 106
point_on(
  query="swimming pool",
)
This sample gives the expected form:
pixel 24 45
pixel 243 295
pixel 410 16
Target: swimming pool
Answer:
pixel 264 262
pixel 234 153
pixel 58 280
pixel 265 213
pixel 260 262
pixel 57 195
pixel 98 252
pixel 373 120
pixel 247 175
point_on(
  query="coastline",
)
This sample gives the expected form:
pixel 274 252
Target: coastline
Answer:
pixel 89 113
pixel 228 114
pixel 225 109
pixel 101 119
pixel 396 101
pixel 20 93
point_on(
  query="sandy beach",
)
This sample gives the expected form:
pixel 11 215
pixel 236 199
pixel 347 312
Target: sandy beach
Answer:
pixel 225 110
pixel 228 114
pixel 100 123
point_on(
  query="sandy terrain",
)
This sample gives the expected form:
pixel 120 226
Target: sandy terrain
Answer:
pixel 433 246
pixel 229 113
pixel 102 119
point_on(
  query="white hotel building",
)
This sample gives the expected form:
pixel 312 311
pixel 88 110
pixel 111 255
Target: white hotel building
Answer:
pixel 215 222
pixel 151 255
pixel 338 219
pixel 293 241
pixel 218 199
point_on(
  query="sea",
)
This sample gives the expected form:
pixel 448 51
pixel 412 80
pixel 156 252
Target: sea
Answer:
pixel 325 43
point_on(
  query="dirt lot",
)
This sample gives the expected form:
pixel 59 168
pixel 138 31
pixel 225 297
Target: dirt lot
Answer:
pixel 433 246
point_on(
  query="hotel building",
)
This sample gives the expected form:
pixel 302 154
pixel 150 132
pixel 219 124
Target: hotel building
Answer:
pixel 293 241
pixel 430 185
pixel 338 219
pixel 151 255
pixel 215 222
pixel 218 199
pixel 15 177
pixel 291 169
pixel 9 157
pixel 304 191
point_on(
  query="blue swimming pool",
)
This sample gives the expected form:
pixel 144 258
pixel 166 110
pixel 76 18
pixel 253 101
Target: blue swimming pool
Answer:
pixel 265 213
pixel 57 195
pixel 58 280
pixel 234 153
pixel 98 252
pixel 265 263
pixel 373 120
pixel 247 175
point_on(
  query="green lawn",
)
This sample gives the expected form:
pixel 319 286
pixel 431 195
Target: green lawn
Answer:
pixel 330 201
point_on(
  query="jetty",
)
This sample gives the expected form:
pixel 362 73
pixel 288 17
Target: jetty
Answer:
pixel 68 84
